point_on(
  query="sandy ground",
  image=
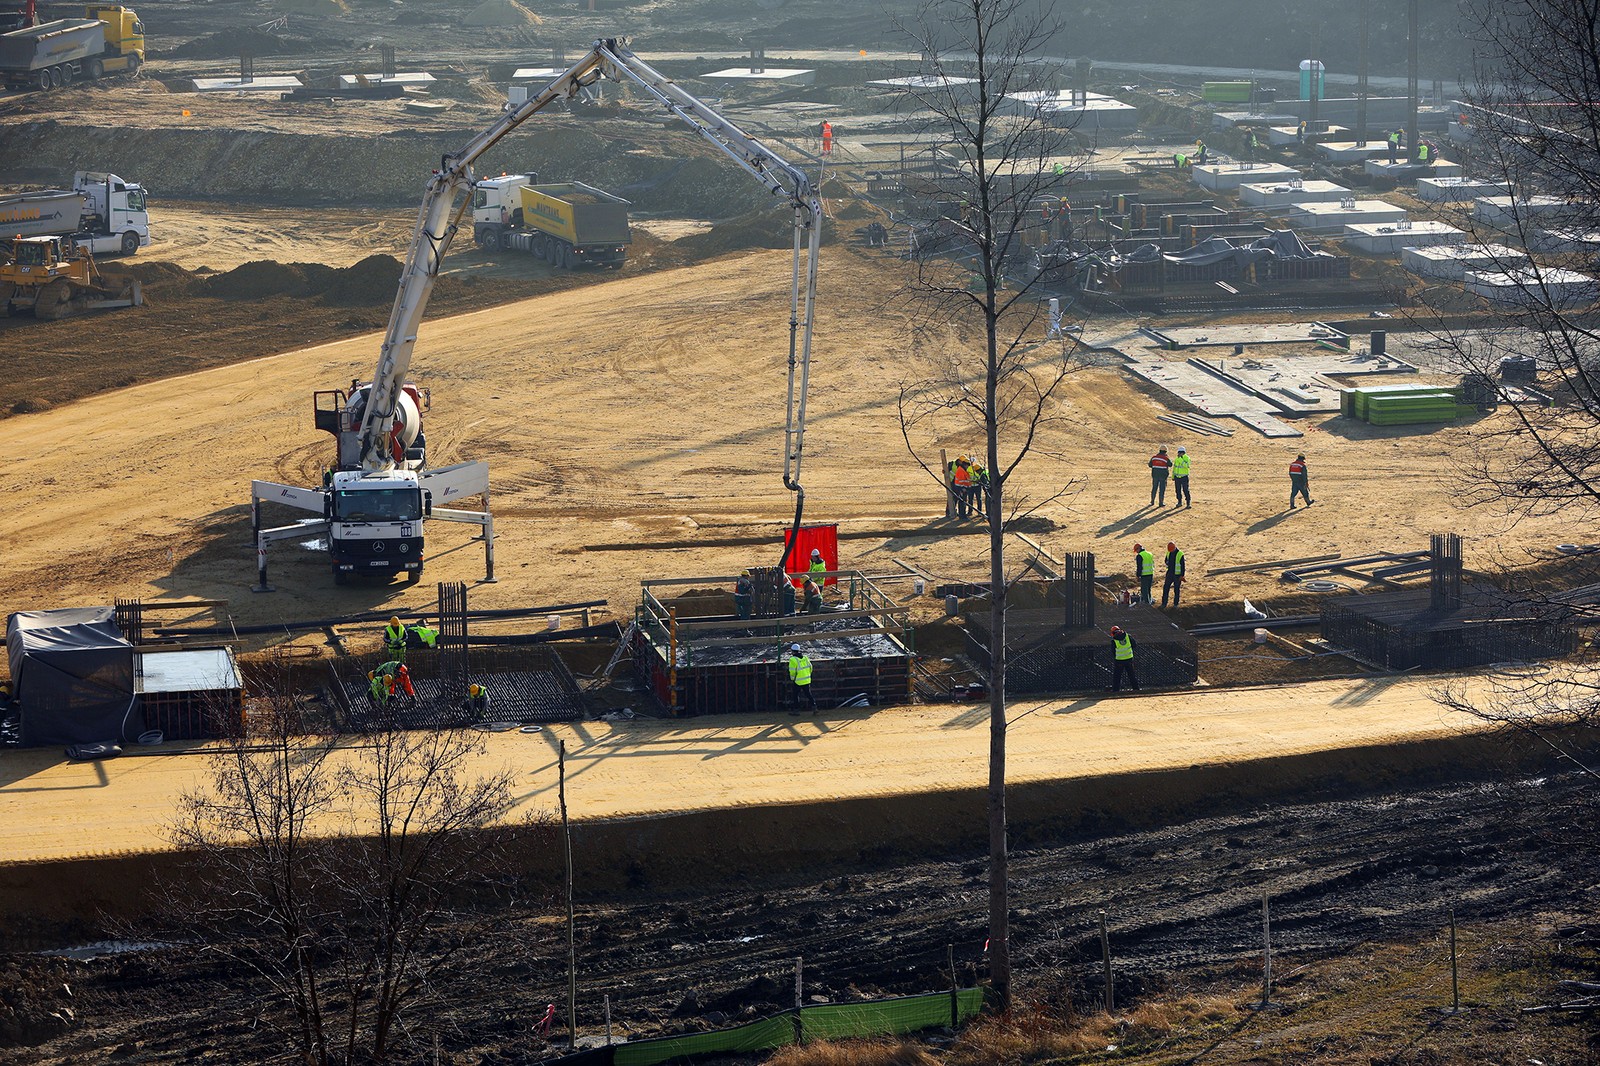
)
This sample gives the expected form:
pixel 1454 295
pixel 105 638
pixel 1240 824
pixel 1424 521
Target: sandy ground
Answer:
pixel 651 408
pixel 651 767
pixel 223 236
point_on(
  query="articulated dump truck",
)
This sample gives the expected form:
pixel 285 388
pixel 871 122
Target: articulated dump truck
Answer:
pixel 568 224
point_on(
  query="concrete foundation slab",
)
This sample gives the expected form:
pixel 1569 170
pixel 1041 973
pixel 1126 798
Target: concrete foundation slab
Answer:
pixel 1566 290
pixel 1211 395
pixel 1321 218
pixel 416 79
pixel 1294 191
pixel 1407 171
pixel 1351 152
pixel 785 75
pixel 1585 242
pixel 272 83
pixel 1298 384
pixel 1226 176
pixel 1506 211
pixel 1175 337
pixel 1459 187
pixel 1289 133
pixel 1452 261
pixel 1387 238
pixel 1078 110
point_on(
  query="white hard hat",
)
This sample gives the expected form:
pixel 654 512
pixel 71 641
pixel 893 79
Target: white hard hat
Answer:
pixel 817 552
pixel 794 647
pixel 1183 451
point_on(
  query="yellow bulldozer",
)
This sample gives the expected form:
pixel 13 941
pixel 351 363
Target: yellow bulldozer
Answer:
pixel 55 278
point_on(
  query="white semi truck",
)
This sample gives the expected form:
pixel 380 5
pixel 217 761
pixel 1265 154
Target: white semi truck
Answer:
pixel 371 509
pixel 101 212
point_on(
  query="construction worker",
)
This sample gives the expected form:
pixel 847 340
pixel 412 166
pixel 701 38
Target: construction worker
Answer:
pixel 1300 135
pixel 963 486
pixel 1160 467
pixel 378 688
pixel 813 597
pixel 476 706
pixel 1174 579
pixel 1180 159
pixel 426 636
pixel 1424 152
pixel 394 639
pixel 827 138
pixel 980 490
pixel 1200 153
pixel 1255 145
pixel 1299 481
pixel 744 594
pixel 399 678
pixel 800 677
pixel 1144 564
pixel 819 565
pixel 1180 479
pixel 786 597
pixel 1122 647
pixel 1394 146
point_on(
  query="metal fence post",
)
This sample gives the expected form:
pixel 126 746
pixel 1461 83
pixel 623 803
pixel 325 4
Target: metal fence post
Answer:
pixel 1105 957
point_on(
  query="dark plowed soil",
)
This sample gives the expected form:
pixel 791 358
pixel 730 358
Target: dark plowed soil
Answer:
pixel 1183 904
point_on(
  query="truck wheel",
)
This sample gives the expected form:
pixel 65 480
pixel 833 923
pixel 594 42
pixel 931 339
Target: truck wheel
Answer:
pixel 64 72
pixel 130 243
pixel 413 576
pixel 54 301
pixel 97 69
pixel 541 246
pixel 41 79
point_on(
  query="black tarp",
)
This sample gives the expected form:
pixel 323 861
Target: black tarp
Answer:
pixel 72 674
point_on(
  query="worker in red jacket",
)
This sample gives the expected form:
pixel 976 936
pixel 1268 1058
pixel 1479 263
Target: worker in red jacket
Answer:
pixel 1299 483
pixel 1160 467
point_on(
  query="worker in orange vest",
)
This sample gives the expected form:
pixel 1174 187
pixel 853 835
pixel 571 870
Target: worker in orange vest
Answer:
pixel 963 487
pixel 1299 481
pixel 827 138
pixel 1160 467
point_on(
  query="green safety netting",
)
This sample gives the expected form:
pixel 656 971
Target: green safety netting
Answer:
pixel 831 1021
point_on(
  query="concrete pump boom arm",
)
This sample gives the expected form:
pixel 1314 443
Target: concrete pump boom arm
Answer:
pixel 438 219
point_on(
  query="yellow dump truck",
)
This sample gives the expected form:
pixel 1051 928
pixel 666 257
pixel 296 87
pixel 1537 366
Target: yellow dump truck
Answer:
pixel 52 54
pixel 568 224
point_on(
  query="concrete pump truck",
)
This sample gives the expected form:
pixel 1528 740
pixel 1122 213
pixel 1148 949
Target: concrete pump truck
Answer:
pixel 372 505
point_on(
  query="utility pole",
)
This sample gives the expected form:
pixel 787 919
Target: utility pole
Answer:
pixel 1361 76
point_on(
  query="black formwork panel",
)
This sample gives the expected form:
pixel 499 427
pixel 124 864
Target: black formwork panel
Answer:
pixel 754 678
pixel 1403 630
pixel 526 686
pixel 1043 655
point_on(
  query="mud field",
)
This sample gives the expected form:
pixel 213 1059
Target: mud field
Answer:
pixel 1352 881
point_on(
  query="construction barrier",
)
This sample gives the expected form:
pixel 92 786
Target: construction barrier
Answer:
pixel 828 1021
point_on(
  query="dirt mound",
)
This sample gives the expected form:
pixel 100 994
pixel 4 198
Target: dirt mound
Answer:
pixel 371 281
pixel 770 228
pixel 156 274
pixel 500 13
pixel 246 40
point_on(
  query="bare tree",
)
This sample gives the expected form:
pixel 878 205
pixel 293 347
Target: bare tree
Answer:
pixel 1534 115
pixel 324 867
pixel 986 92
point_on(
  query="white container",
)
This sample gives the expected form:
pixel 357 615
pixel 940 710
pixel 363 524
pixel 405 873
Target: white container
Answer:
pixel 552 622
pixel 919 586
pixel 1261 636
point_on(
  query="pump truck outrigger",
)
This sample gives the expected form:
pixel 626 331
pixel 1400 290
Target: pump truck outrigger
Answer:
pixel 373 505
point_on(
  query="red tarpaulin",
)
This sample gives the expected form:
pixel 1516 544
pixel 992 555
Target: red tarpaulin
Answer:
pixel 825 539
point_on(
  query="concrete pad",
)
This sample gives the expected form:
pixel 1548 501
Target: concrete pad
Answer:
pixel 1220 177
pixel 1298 384
pixel 785 75
pixel 272 83
pixel 1215 397
pixel 1565 290
pixel 1335 216
pixel 1459 187
pixel 1281 136
pixel 1294 191
pixel 1380 238
pixel 1079 110
pixel 1175 337
pixel 1351 152
pixel 1452 261
pixel 416 79
pixel 1564 240
pixel 1505 211
pixel 1406 170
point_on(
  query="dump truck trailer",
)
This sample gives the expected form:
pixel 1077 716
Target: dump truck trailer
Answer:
pixel 568 224
pixel 52 54
pixel 101 212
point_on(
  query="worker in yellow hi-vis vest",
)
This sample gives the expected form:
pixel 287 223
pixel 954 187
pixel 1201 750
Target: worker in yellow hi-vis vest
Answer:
pixel 800 677
pixel 1145 564
pixel 1122 648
